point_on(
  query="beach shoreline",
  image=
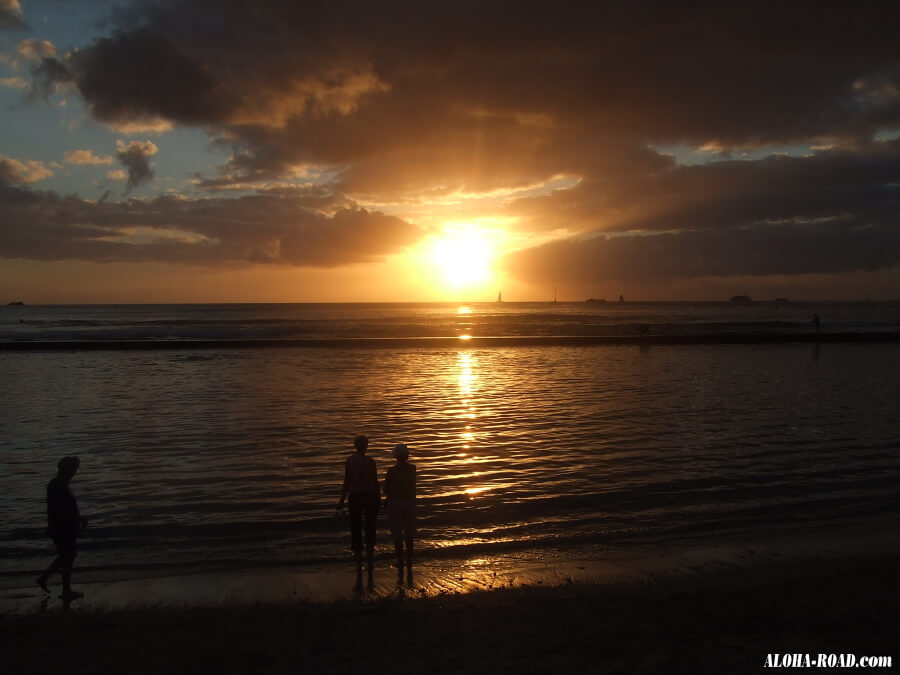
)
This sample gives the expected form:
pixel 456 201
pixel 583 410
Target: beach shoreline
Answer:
pixel 714 617
pixel 439 572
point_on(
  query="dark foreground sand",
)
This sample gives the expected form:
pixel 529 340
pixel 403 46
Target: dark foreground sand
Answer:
pixel 717 621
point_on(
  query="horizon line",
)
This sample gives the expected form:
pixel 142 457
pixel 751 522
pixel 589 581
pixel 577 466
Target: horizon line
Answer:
pixel 589 301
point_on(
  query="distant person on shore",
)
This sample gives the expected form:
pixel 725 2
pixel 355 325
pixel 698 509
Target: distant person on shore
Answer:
pixel 816 322
pixel 361 485
pixel 64 524
pixel 400 497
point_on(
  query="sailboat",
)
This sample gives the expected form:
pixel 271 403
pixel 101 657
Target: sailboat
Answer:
pixel 500 297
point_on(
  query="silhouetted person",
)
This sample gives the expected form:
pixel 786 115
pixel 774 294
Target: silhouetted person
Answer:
pixel 64 523
pixel 361 484
pixel 400 497
pixel 816 322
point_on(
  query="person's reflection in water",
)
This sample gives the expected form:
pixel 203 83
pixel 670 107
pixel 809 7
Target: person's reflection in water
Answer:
pixel 400 497
pixel 64 524
pixel 361 484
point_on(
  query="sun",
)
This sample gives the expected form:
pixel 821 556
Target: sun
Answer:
pixel 462 257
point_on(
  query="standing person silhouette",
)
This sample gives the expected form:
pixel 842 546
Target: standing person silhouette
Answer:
pixel 64 524
pixel 361 484
pixel 400 497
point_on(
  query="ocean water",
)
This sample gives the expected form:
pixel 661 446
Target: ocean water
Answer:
pixel 199 459
pixel 402 320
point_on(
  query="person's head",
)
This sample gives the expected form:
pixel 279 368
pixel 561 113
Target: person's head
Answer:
pixel 361 443
pixel 68 466
pixel 401 452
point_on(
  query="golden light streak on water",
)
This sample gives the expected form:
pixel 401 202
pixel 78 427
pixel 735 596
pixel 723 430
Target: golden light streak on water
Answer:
pixel 469 380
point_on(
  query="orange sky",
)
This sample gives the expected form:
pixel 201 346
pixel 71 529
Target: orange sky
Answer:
pixel 214 151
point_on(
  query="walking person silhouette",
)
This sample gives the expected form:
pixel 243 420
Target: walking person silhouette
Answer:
pixel 64 524
pixel 361 485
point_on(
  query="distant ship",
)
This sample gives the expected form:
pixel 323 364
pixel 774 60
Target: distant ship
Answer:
pixel 741 299
pixel 593 300
pixel 781 301
pixel 17 302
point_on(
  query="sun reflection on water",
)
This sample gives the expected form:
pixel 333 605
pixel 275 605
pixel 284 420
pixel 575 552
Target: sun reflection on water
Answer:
pixel 468 382
pixel 467 377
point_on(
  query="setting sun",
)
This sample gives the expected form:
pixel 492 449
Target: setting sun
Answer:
pixel 462 257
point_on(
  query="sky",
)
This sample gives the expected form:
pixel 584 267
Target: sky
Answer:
pixel 343 151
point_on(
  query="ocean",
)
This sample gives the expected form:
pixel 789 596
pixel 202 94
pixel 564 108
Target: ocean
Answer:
pixel 231 457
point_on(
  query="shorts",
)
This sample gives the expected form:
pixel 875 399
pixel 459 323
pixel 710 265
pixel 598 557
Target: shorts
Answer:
pixel 66 547
pixel 403 518
pixel 363 506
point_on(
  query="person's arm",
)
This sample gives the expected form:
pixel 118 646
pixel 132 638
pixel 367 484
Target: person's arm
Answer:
pixel 346 486
pixel 388 486
pixel 375 478
pixel 80 519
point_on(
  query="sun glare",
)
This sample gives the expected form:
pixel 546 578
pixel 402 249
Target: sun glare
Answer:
pixel 462 257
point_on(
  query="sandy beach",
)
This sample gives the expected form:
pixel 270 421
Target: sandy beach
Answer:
pixel 722 610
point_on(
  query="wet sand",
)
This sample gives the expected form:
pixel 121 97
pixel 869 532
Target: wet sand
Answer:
pixel 718 610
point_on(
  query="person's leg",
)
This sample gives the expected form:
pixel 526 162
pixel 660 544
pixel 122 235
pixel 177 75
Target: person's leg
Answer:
pixel 52 569
pixel 67 553
pixel 397 534
pixel 398 547
pixel 356 514
pixel 371 525
pixel 409 558
pixel 409 531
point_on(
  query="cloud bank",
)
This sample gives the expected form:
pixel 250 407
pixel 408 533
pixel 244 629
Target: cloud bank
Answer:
pixel 414 103
pixel 308 228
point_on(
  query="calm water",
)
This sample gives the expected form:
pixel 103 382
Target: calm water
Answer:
pixel 199 459
pixel 166 322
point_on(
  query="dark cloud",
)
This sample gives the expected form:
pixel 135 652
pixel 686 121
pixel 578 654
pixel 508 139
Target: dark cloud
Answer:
pixel 407 100
pixel 11 14
pixel 135 75
pixel 286 227
pixel 730 194
pixel 775 250
pixel 47 75
pixel 351 82
pixel 835 211
pixel 135 157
